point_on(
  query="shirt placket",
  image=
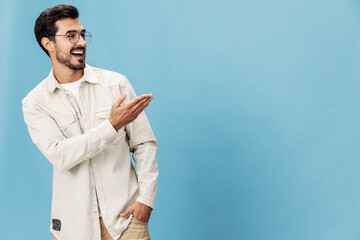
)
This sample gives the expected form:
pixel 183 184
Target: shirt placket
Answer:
pixel 83 120
pixel 98 198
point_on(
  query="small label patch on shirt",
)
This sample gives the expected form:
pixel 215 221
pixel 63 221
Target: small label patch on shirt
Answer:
pixel 56 224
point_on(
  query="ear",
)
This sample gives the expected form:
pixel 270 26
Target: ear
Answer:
pixel 48 44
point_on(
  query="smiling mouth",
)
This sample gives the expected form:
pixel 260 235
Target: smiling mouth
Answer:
pixel 78 53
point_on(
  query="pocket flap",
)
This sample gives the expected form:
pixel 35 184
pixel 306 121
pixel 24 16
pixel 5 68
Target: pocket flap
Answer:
pixel 65 121
pixel 103 114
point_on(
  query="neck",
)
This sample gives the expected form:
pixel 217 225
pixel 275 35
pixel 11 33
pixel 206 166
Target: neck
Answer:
pixel 64 74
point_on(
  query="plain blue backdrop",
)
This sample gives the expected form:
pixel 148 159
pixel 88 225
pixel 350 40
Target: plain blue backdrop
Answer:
pixel 256 111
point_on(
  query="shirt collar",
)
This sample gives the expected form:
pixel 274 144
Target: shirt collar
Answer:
pixel 89 76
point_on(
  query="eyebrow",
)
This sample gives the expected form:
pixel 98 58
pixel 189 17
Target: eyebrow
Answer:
pixel 71 31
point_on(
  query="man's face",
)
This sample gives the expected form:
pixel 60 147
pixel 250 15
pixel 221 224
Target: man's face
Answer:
pixel 67 53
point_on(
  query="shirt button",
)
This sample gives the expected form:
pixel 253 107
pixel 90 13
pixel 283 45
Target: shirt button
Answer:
pixel 82 96
pixel 94 164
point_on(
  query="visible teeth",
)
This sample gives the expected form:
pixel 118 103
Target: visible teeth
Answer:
pixel 78 52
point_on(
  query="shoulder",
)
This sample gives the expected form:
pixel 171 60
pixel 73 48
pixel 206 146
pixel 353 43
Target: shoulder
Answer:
pixel 109 78
pixel 37 93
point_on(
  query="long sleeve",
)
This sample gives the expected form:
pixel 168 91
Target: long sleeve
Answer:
pixel 144 146
pixel 65 153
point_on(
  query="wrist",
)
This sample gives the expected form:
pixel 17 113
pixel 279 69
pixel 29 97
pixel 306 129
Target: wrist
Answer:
pixel 115 126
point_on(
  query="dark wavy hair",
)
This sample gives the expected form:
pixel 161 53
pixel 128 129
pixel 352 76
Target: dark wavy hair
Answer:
pixel 45 24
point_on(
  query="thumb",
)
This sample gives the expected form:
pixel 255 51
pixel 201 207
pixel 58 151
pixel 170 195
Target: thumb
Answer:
pixel 126 213
pixel 120 100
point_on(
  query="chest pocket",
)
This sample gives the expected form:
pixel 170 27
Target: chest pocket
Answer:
pixel 101 116
pixel 67 125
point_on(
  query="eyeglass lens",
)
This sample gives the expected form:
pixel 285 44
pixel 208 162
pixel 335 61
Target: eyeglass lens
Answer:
pixel 75 36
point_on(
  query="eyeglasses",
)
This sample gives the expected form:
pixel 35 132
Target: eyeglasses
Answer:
pixel 74 37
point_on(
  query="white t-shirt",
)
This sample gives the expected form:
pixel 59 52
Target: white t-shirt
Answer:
pixel 73 89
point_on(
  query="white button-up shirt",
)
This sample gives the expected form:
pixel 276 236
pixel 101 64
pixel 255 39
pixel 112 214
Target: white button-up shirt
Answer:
pixel 92 162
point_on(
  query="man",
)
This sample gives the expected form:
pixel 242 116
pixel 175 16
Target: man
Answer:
pixel 87 121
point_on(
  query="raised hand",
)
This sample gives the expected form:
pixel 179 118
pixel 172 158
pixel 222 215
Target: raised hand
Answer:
pixel 120 115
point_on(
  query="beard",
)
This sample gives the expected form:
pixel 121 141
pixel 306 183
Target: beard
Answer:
pixel 65 59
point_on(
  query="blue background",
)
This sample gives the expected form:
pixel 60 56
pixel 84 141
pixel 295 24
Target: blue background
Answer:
pixel 256 112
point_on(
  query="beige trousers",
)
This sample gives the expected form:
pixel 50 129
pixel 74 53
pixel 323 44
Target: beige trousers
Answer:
pixel 137 230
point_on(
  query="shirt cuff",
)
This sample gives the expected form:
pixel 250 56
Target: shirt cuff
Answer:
pixel 106 131
pixel 150 202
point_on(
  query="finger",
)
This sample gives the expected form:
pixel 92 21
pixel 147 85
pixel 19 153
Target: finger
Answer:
pixel 141 108
pixel 142 103
pixel 126 213
pixel 139 99
pixel 120 100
